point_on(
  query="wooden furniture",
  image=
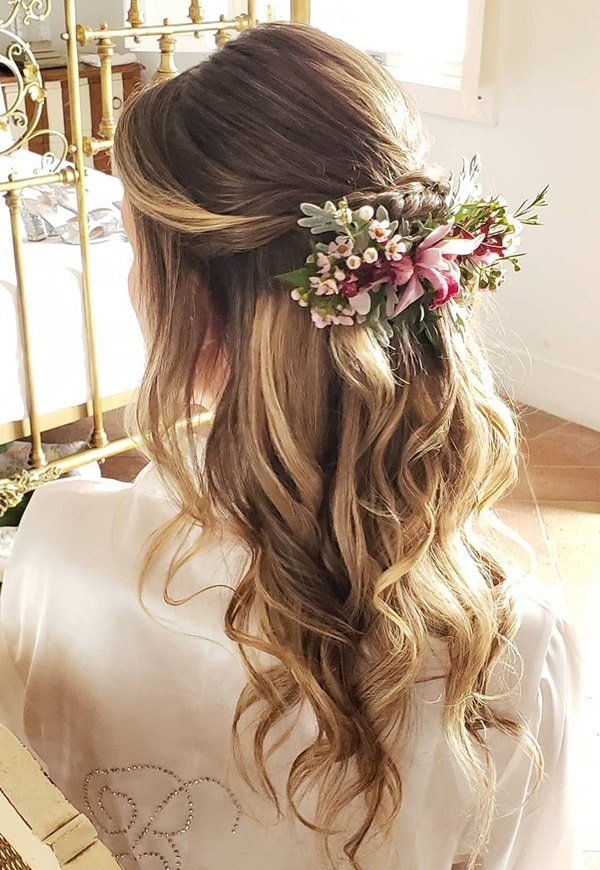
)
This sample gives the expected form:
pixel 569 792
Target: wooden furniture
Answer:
pixel 55 115
pixel 41 830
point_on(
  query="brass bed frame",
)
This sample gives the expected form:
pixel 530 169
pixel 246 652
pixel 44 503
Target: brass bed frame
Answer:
pixel 25 113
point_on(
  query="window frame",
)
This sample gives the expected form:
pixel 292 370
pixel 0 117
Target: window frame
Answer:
pixel 470 101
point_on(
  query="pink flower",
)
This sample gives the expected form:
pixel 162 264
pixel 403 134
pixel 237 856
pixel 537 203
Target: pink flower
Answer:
pixel 490 249
pixel 445 292
pixel 323 320
pixel 435 260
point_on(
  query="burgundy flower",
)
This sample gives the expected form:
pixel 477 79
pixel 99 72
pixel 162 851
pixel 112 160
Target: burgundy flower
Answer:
pixel 445 292
pixel 349 286
pixel 490 249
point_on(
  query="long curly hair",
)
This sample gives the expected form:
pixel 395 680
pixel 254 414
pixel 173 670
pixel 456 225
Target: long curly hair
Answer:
pixel 355 475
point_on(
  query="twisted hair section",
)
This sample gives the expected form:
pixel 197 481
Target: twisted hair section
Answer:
pixel 355 475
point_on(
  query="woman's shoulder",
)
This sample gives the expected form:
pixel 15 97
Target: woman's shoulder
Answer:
pixel 545 652
pixel 74 522
pixel 63 502
pixel 542 614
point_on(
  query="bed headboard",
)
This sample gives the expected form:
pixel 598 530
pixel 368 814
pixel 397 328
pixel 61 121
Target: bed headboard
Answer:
pixel 23 122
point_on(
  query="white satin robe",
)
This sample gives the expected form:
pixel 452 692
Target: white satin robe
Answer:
pixel 130 707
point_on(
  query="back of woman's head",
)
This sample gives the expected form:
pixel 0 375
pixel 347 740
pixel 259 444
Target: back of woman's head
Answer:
pixel 351 471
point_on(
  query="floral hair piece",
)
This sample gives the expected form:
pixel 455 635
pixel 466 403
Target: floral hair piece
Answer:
pixel 378 272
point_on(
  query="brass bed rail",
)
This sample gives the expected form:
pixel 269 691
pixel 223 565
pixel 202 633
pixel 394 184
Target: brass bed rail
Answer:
pixel 25 113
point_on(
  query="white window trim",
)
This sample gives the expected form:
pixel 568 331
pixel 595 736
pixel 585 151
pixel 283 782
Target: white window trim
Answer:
pixel 468 100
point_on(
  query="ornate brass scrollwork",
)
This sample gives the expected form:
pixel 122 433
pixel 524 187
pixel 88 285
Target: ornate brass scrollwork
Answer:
pixel 20 61
pixel 33 10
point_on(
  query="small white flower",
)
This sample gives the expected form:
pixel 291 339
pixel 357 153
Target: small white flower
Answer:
pixel 379 230
pixel 370 255
pixel 323 262
pixel 366 212
pixel 353 262
pixel 343 216
pixel 296 295
pixel 314 280
pixel 326 288
pixel 395 248
pixel 342 247
pixel 339 275
pixel 319 321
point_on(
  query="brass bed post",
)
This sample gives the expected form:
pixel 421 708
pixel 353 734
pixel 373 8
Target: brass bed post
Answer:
pixel 166 68
pixel 300 11
pixel 106 129
pixel 195 12
pixel 106 49
pixel 134 16
pixel 99 438
pixel 13 199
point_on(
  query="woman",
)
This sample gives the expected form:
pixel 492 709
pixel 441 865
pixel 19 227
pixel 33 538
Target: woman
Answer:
pixel 286 644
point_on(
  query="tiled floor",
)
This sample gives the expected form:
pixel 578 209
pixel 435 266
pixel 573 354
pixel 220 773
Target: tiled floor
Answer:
pixel 556 509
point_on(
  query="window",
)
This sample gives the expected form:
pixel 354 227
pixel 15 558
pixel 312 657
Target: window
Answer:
pixel 433 46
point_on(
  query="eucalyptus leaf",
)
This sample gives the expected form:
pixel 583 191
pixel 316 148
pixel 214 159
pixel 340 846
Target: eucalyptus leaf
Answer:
pixel 310 209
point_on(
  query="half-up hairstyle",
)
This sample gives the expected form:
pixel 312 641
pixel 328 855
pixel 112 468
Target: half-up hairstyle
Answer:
pixel 354 474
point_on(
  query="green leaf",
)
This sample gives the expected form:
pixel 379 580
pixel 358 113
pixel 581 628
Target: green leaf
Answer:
pixel 298 278
pixel 432 334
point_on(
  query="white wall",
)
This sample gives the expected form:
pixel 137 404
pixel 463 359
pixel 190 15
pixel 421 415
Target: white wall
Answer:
pixel 547 131
pixel 89 12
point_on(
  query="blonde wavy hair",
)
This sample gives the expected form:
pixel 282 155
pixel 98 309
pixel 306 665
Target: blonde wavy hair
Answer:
pixel 355 475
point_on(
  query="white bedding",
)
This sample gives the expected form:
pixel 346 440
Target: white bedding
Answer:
pixel 53 286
